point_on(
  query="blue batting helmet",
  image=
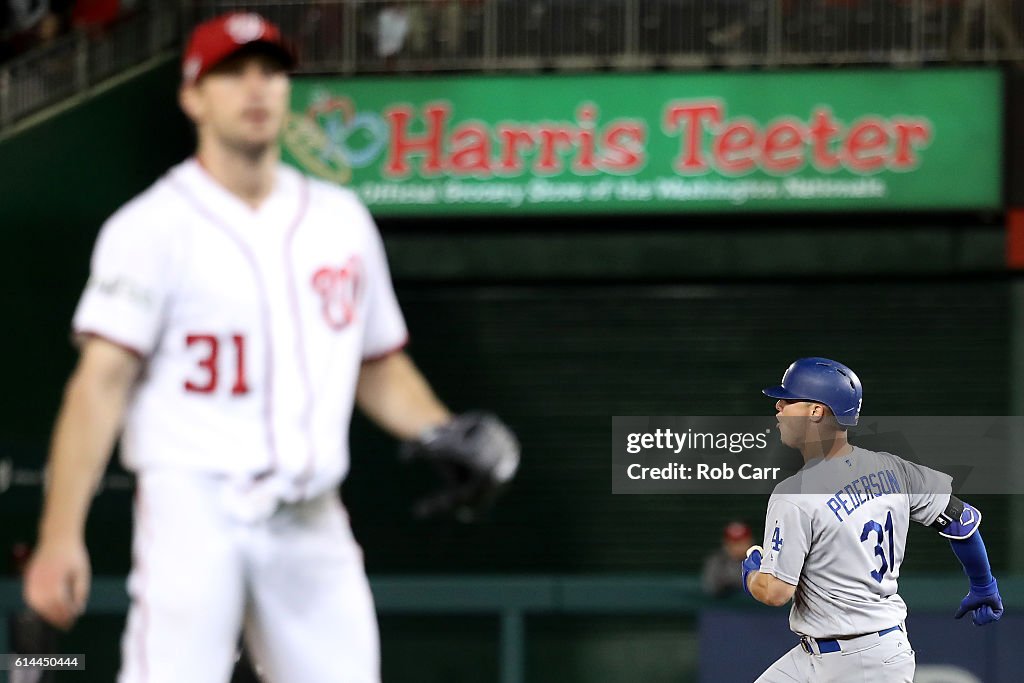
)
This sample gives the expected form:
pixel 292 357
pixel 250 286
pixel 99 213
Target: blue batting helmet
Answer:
pixel 823 381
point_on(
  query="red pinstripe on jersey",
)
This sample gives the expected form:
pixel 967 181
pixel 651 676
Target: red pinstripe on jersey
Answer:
pixel 300 342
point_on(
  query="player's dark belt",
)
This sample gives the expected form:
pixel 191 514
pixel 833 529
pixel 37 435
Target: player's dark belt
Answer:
pixel 827 645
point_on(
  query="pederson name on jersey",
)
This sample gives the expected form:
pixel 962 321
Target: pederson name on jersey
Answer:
pixel 861 490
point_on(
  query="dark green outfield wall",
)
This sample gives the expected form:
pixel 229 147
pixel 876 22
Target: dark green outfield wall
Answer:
pixel 557 325
pixel 58 182
pixel 557 361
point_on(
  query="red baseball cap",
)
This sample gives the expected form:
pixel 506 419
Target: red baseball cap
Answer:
pixel 216 39
pixel 736 531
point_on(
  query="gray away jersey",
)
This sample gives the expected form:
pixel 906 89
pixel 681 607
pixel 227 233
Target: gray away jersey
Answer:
pixel 837 530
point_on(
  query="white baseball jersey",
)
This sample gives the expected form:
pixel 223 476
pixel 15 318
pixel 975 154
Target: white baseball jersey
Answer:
pixel 837 530
pixel 253 325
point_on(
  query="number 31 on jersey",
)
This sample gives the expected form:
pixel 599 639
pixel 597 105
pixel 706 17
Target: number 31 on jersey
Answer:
pixel 881 533
pixel 207 377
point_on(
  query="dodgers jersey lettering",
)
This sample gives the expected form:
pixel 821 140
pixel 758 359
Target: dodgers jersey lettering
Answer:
pixel 253 324
pixel 837 530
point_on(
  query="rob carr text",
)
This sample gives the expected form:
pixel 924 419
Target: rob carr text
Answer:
pixel 702 471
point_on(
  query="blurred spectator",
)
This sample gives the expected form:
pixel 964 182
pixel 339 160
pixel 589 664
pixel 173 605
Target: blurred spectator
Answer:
pixel 731 17
pixel 321 35
pixel 1000 18
pixel 26 14
pixel 21 20
pixel 424 28
pixel 721 574
pixel 95 15
pixel 392 28
pixel 25 24
pixel 418 39
pixel 449 26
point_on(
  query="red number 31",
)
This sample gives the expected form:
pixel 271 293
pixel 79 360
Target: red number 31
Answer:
pixel 209 364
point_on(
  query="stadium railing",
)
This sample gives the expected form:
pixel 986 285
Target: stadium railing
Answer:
pixel 375 36
pixel 78 61
pixel 430 35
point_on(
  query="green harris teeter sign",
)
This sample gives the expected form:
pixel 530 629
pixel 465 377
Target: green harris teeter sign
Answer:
pixel 816 141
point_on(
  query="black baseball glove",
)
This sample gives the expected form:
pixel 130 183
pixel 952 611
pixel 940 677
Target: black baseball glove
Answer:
pixel 476 454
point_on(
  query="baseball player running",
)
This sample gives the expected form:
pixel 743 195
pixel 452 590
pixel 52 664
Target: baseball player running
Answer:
pixel 236 311
pixel 835 535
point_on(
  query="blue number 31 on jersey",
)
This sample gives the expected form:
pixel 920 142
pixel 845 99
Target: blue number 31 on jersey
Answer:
pixel 881 532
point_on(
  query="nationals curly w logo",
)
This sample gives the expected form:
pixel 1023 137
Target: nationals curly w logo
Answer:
pixel 339 289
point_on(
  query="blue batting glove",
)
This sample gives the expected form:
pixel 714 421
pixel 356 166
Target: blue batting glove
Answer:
pixel 984 603
pixel 752 564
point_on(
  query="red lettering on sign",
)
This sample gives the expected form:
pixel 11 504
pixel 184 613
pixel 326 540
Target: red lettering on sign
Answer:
pixel 823 133
pixel 734 150
pixel 555 140
pixel 691 117
pixel 471 150
pixel 583 164
pixel 784 147
pixel 867 146
pixel 514 141
pixel 624 147
pixel 405 144
pixel 911 135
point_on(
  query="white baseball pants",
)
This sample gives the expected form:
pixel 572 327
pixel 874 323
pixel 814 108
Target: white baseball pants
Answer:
pixel 885 659
pixel 293 581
